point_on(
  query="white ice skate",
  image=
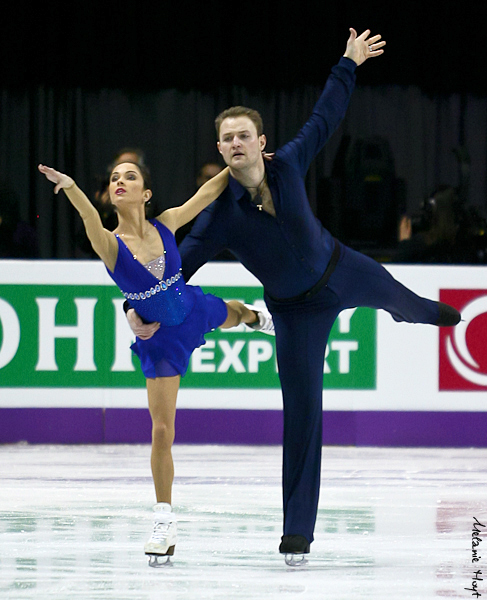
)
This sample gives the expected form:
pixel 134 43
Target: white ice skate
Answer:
pixel 265 324
pixel 163 540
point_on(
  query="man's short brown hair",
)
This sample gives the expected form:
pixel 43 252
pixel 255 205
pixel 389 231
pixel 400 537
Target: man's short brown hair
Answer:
pixel 240 111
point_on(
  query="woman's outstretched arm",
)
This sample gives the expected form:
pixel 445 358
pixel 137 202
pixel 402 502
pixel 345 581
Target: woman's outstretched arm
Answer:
pixel 103 241
pixel 174 218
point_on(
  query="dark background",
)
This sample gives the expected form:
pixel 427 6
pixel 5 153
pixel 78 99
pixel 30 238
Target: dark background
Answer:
pixel 153 45
pixel 81 80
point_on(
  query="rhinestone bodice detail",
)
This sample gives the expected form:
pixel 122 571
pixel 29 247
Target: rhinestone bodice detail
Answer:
pixel 157 267
pixel 157 291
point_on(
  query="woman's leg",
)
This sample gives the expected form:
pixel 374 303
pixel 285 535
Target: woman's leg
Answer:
pixel 238 313
pixel 162 393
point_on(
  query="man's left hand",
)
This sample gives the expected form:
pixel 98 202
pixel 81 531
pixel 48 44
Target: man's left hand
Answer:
pixel 360 48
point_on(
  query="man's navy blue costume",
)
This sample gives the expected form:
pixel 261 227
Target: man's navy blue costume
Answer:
pixel 289 254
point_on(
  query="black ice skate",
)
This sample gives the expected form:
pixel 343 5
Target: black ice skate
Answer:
pixel 294 548
pixel 449 316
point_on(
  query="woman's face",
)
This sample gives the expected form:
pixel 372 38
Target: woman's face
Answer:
pixel 127 185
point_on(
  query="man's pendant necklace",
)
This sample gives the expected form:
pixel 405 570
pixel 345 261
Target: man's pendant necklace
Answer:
pixel 257 199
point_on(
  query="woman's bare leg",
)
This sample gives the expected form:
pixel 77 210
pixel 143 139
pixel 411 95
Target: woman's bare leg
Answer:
pixel 238 313
pixel 162 393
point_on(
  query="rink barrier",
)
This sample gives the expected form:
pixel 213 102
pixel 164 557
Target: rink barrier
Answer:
pixel 341 428
pixel 67 374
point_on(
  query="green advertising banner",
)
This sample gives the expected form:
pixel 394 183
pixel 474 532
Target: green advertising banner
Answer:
pixel 62 336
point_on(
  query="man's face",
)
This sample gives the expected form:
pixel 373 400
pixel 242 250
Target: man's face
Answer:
pixel 239 143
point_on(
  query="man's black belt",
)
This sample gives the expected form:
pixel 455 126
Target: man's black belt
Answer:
pixel 335 256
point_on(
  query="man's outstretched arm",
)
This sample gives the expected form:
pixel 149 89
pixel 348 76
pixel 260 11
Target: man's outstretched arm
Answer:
pixel 332 105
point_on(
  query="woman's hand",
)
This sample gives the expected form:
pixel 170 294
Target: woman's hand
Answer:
pixel 60 179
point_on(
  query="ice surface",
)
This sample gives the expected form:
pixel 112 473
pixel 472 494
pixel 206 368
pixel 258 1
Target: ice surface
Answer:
pixel 393 523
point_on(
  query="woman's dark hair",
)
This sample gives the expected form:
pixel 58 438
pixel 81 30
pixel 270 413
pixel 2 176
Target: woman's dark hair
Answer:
pixel 144 171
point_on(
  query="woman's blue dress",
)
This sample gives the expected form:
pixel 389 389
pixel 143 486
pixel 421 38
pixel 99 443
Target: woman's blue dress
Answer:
pixel 185 312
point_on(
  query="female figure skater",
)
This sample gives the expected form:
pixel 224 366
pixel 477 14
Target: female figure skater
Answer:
pixel 142 258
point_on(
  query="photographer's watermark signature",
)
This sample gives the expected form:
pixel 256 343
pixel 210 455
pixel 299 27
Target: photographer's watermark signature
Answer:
pixel 476 540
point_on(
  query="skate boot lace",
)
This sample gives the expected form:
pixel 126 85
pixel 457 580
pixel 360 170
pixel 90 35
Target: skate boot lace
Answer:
pixel 160 533
pixel 266 323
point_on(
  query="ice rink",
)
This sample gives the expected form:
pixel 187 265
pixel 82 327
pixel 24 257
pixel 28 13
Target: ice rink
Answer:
pixel 393 523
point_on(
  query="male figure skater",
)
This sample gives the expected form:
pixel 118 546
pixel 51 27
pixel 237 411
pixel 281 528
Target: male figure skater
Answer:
pixel 265 219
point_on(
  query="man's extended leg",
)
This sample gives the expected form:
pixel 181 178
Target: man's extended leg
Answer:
pixel 361 281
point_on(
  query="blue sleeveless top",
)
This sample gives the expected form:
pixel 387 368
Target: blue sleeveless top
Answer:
pixel 185 312
pixel 167 300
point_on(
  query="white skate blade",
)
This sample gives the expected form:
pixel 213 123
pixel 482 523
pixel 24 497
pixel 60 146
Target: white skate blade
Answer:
pixel 295 560
pixel 159 560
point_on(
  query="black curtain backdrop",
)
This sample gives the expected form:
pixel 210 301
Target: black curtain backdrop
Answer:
pixel 78 81
pixel 79 131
